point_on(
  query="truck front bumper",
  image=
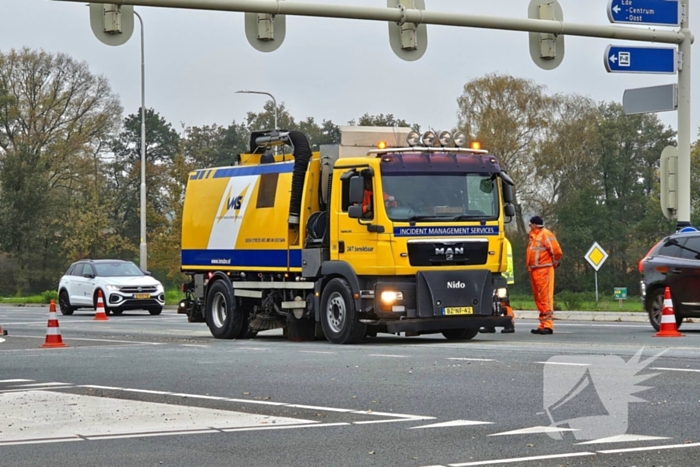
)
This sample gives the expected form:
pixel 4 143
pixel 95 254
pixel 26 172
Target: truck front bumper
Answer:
pixel 443 324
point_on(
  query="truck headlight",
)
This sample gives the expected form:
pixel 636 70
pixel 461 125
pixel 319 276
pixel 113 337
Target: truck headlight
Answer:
pixel 502 292
pixel 389 296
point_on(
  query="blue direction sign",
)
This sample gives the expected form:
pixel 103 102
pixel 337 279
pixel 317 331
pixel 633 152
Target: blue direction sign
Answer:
pixel 640 60
pixel 655 12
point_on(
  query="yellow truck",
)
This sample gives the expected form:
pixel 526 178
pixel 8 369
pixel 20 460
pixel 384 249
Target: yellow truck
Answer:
pixel 389 231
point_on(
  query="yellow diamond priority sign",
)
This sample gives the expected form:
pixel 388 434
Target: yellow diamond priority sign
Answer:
pixel 596 256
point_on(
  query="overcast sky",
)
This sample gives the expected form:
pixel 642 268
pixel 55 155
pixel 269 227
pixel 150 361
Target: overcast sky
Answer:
pixel 326 68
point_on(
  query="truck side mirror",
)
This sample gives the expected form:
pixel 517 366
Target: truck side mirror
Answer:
pixel 507 192
pixel 355 211
pixel 357 190
pixel 509 210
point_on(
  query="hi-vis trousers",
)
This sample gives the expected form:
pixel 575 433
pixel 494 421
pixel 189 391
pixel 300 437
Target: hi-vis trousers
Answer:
pixel 542 280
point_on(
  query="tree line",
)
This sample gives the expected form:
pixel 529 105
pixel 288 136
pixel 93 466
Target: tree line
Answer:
pixel 70 171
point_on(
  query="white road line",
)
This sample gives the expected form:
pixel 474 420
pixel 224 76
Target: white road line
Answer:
pixel 306 425
pixel 69 386
pixel 524 459
pixel 15 380
pixel 387 356
pixel 676 369
pixel 473 359
pixel 623 439
pixel 405 417
pixel 534 429
pixel 452 423
pixel 252 348
pixel 315 351
pixel 195 345
pixel 41 384
pixel 41 441
pixel 98 340
pixel 651 448
pixel 564 363
pixel 372 422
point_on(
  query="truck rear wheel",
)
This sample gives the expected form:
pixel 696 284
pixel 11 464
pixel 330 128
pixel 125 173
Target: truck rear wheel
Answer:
pixel 460 334
pixel 339 319
pixel 222 317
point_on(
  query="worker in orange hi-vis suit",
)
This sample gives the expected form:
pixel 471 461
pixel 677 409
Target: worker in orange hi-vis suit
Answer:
pixel 543 256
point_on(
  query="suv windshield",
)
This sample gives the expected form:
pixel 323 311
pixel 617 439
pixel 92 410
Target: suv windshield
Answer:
pixel 117 269
pixel 439 197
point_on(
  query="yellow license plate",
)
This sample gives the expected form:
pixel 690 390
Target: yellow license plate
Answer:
pixel 142 295
pixel 459 310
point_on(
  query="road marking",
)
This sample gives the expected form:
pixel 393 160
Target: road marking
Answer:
pixel 15 380
pixel 676 369
pixel 196 345
pixel 387 356
pixel 534 429
pixel 2 340
pixel 50 415
pixel 99 340
pixel 248 401
pixel 315 351
pixel 651 448
pixel 452 423
pixel 473 359
pixel 564 363
pixel 42 384
pixel 524 459
pixel 624 439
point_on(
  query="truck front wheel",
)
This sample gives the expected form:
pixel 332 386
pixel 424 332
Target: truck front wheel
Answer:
pixel 460 334
pixel 221 312
pixel 339 319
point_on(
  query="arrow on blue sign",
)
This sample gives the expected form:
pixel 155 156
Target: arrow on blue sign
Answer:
pixel 654 12
pixel 640 60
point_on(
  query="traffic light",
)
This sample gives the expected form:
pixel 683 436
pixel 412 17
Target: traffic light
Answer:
pixel 669 182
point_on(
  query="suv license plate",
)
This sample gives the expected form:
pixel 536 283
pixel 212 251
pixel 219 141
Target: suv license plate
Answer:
pixel 142 295
pixel 459 310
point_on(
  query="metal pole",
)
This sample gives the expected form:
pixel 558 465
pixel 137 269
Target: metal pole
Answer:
pixel 397 15
pixel 274 101
pixel 596 289
pixel 684 122
pixel 143 249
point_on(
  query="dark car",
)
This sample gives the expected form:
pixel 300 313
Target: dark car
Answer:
pixel 674 262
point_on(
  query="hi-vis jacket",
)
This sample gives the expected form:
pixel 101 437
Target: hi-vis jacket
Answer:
pixel 543 250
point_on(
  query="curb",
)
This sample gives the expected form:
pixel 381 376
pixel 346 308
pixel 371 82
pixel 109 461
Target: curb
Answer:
pixel 600 316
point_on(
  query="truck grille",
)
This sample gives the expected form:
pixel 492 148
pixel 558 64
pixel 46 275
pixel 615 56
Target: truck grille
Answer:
pixel 448 253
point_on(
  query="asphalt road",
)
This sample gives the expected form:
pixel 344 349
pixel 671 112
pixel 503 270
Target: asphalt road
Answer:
pixel 157 391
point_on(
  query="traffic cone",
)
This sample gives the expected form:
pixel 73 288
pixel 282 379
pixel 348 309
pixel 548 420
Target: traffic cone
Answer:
pixel 53 333
pixel 3 332
pixel 668 318
pixel 100 314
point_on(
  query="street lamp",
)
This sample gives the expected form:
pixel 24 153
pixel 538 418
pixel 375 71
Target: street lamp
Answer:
pixel 143 263
pixel 274 102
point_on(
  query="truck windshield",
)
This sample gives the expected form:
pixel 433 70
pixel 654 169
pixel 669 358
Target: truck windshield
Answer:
pixel 440 197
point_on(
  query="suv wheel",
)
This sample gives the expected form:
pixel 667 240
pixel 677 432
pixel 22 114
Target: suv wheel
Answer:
pixel 655 308
pixel 64 303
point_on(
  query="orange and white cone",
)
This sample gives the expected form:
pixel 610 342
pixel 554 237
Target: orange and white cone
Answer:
pixel 668 318
pixel 100 314
pixel 53 333
pixel 3 332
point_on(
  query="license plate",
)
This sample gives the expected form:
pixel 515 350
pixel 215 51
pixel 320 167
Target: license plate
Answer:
pixel 458 310
pixel 142 295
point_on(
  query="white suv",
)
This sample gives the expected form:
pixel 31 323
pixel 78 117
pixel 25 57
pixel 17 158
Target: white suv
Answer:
pixel 124 287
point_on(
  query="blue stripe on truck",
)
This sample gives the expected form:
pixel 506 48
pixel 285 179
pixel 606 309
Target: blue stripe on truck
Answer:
pixel 241 170
pixel 247 258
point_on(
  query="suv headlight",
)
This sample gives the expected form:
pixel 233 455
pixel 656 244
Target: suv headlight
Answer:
pixel 160 288
pixel 111 287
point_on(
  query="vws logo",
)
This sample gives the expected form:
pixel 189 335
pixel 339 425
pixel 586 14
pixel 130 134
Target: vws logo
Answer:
pixel 233 202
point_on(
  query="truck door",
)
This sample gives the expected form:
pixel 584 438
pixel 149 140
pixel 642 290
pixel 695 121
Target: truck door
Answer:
pixel 358 238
